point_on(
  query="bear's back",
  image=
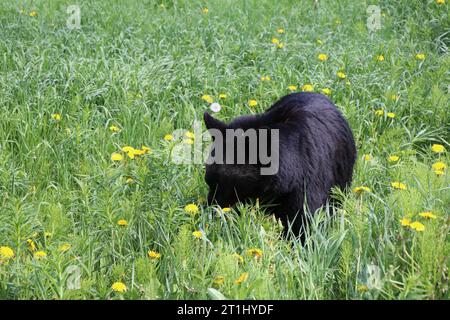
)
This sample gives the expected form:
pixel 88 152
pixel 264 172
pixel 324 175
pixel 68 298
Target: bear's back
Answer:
pixel 311 113
pixel 297 104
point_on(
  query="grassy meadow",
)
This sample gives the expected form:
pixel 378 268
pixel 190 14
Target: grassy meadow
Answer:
pixel 82 217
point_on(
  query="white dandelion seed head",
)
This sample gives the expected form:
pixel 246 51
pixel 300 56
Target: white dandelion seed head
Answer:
pixel 215 107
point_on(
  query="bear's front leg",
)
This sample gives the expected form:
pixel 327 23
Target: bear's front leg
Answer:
pixel 290 212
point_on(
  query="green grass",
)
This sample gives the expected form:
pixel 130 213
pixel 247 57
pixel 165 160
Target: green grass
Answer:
pixel 144 69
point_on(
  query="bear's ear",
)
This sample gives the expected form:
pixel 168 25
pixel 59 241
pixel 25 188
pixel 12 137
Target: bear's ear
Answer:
pixel 212 123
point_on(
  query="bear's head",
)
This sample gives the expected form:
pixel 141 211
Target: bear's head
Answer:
pixel 237 156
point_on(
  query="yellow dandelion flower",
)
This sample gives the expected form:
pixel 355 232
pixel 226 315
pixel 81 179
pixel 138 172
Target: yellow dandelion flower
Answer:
pixel 154 255
pixel 205 10
pixel 223 96
pixel 119 287
pixel 380 58
pixel 379 112
pixel 393 158
pixel 307 88
pixel 440 1
pixel 398 185
pixel 280 45
pixel 292 88
pixel 168 137
pixel 122 222
pixel 367 157
pixel 362 288
pixel 238 257
pixel 265 78
pixel 146 149
pixel 322 57
pixel 135 152
pixel 116 157
pixel 64 247
pixel 438 148
pixel 326 91
pixel 420 56
pixel 127 149
pixel 6 253
pixel 114 128
pixel 280 31
pixel 341 75
pixel 427 215
pixel 226 209
pixel 197 234
pixel 242 278
pixel 405 222
pixel 275 41
pixel 40 255
pixel 56 116
pixel 439 166
pixel 191 209
pixel 416 225
pixel 252 103
pixel 189 134
pixel 33 14
pixel 207 98
pixel 255 252
pixel 361 189
pixel 219 281
pixel 439 172
pixel 390 115
pixel 31 245
pixel 394 97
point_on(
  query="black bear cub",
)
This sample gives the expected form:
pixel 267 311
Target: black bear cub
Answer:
pixel 314 150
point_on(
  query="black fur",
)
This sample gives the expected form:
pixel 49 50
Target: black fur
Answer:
pixel 317 152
